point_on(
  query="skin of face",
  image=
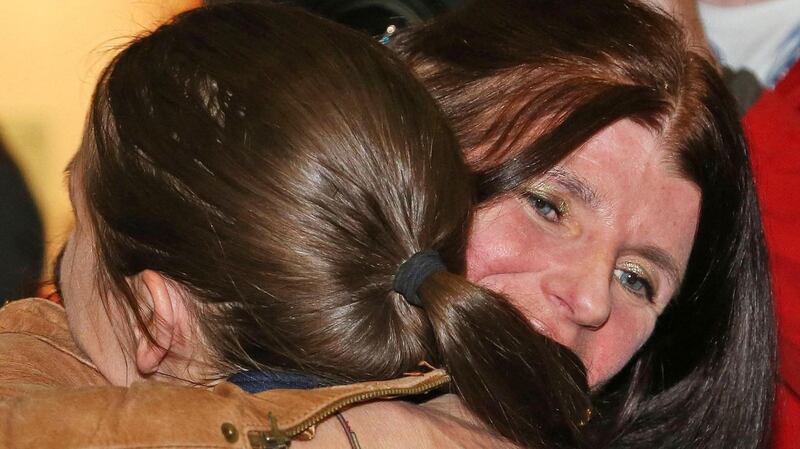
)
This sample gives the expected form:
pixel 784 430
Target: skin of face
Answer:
pixel 593 252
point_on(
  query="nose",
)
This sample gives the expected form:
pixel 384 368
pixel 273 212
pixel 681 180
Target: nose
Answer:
pixel 584 290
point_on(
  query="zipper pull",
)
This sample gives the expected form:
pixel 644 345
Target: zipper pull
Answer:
pixel 274 438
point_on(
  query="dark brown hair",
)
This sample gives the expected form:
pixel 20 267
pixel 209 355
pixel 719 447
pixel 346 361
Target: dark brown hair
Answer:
pixel 281 168
pixel 525 83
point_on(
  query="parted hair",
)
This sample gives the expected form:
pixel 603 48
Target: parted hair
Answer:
pixel 281 168
pixel 525 83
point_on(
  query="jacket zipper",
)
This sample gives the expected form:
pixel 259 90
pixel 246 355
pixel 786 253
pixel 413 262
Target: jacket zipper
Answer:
pixel 344 402
pixel 277 438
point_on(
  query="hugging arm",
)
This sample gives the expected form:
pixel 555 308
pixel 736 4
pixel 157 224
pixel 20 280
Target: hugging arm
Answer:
pixel 52 395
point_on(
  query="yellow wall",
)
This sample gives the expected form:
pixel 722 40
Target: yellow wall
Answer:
pixel 51 52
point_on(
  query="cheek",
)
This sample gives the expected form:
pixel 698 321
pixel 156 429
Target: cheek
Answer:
pixel 503 240
pixel 610 348
pixel 508 252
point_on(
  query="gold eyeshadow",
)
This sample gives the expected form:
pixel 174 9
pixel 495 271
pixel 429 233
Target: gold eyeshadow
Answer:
pixel 641 272
pixel 546 193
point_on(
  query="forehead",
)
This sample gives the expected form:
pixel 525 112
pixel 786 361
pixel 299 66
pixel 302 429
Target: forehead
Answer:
pixel 640 192
pixel 629 148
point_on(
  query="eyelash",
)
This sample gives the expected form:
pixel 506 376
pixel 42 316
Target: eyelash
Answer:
pixel 648 291
pixel 538 201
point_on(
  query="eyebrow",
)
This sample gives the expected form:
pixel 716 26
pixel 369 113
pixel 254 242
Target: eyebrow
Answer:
pixel 581 189
pixel 663 259
pixel 576 185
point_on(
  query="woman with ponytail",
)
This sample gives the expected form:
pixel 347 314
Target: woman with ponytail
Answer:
pixel 264 199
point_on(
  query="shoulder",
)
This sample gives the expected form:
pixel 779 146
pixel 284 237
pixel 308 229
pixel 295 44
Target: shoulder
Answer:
pixel 34 315
pixel 37 350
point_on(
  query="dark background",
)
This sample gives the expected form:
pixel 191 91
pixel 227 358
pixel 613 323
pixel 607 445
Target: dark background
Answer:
pixel 373 16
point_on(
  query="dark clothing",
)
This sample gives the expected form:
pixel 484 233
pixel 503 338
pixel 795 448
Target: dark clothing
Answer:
pixel 21 242
pixel 258 381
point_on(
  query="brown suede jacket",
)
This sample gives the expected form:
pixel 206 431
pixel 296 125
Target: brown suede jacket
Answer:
pixel 51 395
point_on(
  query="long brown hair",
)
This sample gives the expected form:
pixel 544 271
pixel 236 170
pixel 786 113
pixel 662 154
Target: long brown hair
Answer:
pixel 527 82
pixel 281 169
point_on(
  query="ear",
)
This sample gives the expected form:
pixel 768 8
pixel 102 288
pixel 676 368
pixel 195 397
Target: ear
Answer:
pixel 163 323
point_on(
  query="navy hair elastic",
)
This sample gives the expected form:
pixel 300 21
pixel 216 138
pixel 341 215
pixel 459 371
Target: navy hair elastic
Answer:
pixel 413 272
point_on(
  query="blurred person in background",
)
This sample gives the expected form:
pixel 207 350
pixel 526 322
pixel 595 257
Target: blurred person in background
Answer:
pixel 21 239
pixel 756 41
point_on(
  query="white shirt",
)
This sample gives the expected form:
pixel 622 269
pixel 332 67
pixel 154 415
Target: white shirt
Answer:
pixel 762 37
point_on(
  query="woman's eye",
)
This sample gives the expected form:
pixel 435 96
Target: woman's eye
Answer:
pixel 635 283
pixel 544 207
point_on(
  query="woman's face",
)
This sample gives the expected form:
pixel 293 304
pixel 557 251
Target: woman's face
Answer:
pixel 595 250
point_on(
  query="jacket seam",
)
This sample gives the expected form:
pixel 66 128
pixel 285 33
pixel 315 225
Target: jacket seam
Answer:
pixel 53 344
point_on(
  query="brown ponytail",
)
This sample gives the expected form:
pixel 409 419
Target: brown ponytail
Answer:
pixel 502 368
pixel 280 169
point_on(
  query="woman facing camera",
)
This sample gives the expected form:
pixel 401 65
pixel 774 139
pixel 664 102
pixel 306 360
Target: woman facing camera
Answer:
pixel 617 208
pixel 265 199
